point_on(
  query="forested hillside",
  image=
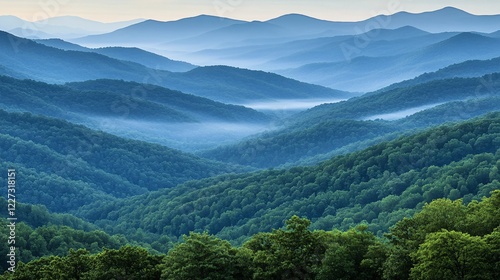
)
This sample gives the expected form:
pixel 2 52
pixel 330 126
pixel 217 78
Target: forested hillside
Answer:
pixel 379 185
pixel 330 127
pixel 446 240
pixel 136 55
pixel 117 99
pixel 199 109
pixel 220 83
pixel 80 166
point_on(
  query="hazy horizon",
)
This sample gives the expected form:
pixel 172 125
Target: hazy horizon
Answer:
pixel 355 10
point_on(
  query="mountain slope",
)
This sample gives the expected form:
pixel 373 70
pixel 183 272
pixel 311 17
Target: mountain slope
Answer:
pixel 156 32
pixel 221 83
pixel 10 22
pixel 375 43
pixel 373 73
pixel 470 68
pixel 198 108
pixel 224 84
pixel 136 111
pixel 148 32
pixel 79 165
pixel 330 127
pixel 145 58
pixel 61 44
pixel 233 35
pixel 55 65
pixel 62 102
pixel 338 193
pixel 60 27
pixel 65 26
pixel 444 20
pixel 273 56
pixel 136 55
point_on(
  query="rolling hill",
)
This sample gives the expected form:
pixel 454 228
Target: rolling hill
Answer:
pixel 224 84
pixel 59 27
pixel 49 64
pixel 372 73
pixel 470 68
pixel 332 127
pixel 292 26
pixel 378 186
pixel 268 45
pixel 295 53
pixel 108 98
pixel 136 111
pixel 136 55
pixel 78 165
pixel 150 31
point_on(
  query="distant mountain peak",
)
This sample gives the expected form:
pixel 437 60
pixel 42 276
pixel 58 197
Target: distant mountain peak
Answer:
pixel 295 17
pixel 450 9
pixel 469 36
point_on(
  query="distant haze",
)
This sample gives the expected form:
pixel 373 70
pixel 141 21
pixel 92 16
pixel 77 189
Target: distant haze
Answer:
pixel 110 11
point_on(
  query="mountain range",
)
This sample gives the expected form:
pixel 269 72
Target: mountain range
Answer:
pixel 332 54
pixel 59 27
pixel 288 27
pixel 143 132
pixel 136 55
pixel 27 59
pixel 369 73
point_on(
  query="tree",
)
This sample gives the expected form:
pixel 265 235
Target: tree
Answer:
pixel 127 263
pixel 292 253
pixel 355 254
pixel 451 255
pixel 206 257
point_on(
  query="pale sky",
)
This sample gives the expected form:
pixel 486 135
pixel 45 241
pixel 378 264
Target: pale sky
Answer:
pixel 164 10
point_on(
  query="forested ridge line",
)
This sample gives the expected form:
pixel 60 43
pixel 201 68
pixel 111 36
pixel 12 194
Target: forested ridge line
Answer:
pixel 379 185
pixel 446 240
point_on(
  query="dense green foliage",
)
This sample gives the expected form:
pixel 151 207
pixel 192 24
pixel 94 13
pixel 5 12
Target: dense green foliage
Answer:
pixel 198 108
pixel 40 233
pixel 43 233
pixel 56 240
pixel 138 111
pixel 329 127
pixel 446 240
pixel 291 145
pixel 125 263
pixel 119 100
pixel 79 166
pixel 379 185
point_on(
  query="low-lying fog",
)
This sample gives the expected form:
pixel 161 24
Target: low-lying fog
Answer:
pixel 400 114
pixel 188 137
pixel 192 137
pixel 288 104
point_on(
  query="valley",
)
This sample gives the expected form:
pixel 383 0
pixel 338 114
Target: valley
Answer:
pixel 144 146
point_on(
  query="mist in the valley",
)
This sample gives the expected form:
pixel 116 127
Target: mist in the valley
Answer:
pixel 293 105
pixel 400 114
pixel 189 137
pixel 206 134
